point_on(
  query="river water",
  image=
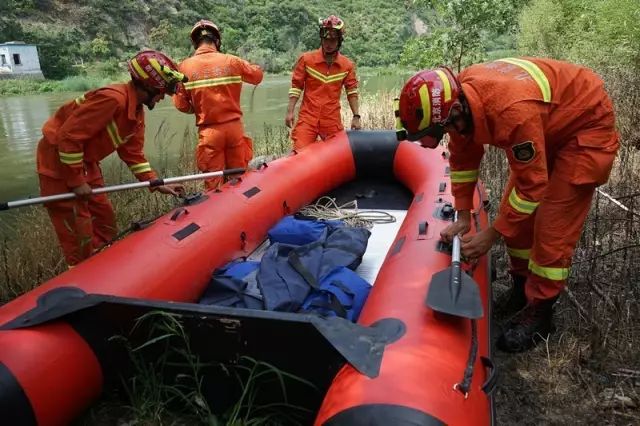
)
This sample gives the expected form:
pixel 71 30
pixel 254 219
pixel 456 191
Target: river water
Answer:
pixel 22 117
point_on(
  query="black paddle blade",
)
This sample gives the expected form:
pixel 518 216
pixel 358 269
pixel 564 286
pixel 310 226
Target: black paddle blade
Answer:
pixel 460 298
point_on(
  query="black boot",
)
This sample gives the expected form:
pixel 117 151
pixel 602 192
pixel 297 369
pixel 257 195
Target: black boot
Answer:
pixel 528 327
pixel 513 300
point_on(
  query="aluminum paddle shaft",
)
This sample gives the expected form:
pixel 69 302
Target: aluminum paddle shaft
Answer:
pixel 452 291
pixel 125 186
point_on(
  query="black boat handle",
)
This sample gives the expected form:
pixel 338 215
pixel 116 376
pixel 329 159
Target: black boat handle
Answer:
pixel 490 384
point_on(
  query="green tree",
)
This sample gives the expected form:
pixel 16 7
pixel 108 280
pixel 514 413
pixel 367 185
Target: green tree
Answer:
pixel 459 30
pixel 599 33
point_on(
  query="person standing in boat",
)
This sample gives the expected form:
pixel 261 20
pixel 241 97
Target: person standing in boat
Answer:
pixel 213 95
pixel 556 124
pixel 319 76
pixel 86 130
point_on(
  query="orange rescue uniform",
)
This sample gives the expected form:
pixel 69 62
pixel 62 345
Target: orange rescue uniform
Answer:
pixel 213 94
pixel 556 124
pixel 321 83
pixel 80 134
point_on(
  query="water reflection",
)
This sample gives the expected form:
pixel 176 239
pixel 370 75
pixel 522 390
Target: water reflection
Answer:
pixel 22 117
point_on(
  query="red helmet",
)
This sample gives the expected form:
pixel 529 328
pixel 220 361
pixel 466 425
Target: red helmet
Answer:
pixel 425 103
pixel 204 27
pixel 331 25
pixel 155 70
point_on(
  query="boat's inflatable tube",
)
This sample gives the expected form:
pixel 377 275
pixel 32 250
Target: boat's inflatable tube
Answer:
pixel 49 373
pixel 419 371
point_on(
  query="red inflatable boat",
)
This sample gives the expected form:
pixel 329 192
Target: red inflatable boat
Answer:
pixel 51 370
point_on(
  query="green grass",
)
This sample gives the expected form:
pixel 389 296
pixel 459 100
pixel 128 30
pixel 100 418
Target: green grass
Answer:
pixel 168 383
pixel 70 84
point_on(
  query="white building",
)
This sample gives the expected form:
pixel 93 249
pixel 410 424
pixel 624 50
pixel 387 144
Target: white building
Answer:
pixel 19 60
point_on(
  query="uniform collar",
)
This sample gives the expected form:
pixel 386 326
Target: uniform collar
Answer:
pixel 480 128
pixel 206 48
pixel 132 99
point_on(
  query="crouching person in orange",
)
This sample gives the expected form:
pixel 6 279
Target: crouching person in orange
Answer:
pixel 85 131
pixel 213 95
pixel 319 77
pixel 556 125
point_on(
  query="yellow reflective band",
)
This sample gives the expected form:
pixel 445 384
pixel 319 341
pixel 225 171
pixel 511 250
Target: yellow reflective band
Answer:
pixel 140 168
pixel 464 176
pixel 156 66
pixel 536 73
pixel 352 92
pixel 426 107
pixel 295 92
pixel 71 158
pixel 520 205
pixel 138 68
pixel 210 82
pixel 555 274
pixel 519 253
pixel 112 129
pixel 80 100
pixel 446 84
pixel 396 110
pixel 326 79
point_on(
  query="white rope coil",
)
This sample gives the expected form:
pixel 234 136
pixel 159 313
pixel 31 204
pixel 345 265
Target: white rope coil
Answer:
pixel 326 208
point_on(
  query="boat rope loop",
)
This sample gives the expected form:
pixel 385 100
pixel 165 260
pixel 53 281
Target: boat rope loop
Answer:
pixel 326 208
pixel 465 385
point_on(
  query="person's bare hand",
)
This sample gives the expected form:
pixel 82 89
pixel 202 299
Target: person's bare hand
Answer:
pixel 288 120
pixel 83 191
pixel 474 246
pixel 461 226
pixel 355 123
pixel 173 189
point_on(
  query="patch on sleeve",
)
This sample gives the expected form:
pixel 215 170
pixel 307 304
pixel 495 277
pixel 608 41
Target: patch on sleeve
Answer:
pixel 524 152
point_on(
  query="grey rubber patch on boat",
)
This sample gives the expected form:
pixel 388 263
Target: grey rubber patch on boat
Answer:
pixel 186 231
pixel 397 246
pixel 251 192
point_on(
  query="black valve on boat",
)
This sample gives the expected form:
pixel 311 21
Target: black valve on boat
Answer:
pixel 447 211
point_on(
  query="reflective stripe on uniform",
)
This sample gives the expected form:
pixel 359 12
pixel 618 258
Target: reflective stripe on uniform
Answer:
pixel 140 168
pixel 210 82
pixel 352 91
pixel 519 253
pixel 295 92
pixel 535 72
pixel 112 129
pixel 71 158
pixel 326 79
pixel 521 205
pixel 464 176
pixel 555 274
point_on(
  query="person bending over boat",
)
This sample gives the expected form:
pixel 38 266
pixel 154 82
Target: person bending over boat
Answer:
pixel 213 95
pixel 86 130
pixel 319 76
pixel 556 124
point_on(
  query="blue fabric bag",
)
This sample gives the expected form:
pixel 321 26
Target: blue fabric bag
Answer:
pixel 292 230
pixel 342 293
pixel 235 285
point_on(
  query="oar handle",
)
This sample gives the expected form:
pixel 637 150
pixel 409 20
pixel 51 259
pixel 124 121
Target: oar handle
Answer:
pixel 114 188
